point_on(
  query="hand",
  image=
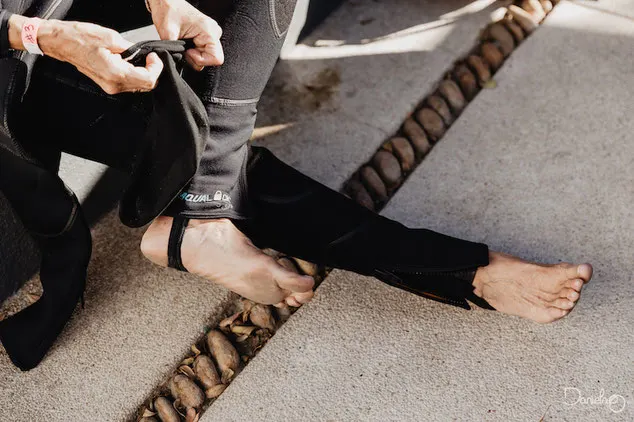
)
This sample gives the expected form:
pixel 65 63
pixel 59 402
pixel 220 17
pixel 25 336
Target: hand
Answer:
pixel 94 51
pixel 177 19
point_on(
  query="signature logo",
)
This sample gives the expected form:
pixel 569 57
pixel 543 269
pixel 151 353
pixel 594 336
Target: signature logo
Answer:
pixel 573 396
pixel 218 196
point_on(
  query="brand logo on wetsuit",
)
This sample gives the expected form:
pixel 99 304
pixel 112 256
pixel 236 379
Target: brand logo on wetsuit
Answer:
pixel 218 196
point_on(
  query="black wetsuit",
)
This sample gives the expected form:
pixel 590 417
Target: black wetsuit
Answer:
pixel 272 203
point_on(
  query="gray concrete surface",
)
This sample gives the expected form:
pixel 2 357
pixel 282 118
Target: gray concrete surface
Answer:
pixel 97 187
pixel 624 8
pixel 334 98
pixel 541 167
pixel 140 320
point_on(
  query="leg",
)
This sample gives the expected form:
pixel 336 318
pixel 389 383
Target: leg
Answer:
pixel 298 216
pixel 301 217
pixel 212 247
pixel 88 123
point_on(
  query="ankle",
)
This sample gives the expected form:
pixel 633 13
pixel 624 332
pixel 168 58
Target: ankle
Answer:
pixel 482 276
pixel 209 222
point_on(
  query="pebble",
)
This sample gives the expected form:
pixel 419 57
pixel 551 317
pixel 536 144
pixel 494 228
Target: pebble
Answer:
pixel 534 8
pixel 359 194
pixel 503 37
pixel 309 268
pixel 225 355
pixel 388 167
pixel 262 316
pixel 431 122
pixel 450 91
pixel 206 371
pixel 283 313
pixel 492 55
pixel 515 29
pixel 547 5
pixel 403 150
pixel 467 81
pixel 523 18
pixel 480 67
pixel 186 390
pixel 165 410
pixel 440 106
pixel 288 264
pixel 373 183
pixel 417 136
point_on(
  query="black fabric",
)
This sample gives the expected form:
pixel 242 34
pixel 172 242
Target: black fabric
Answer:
pixel 282 14
pixel 4 32
pixel 174 244
pixel 230 93
pixel 176 133
pixel 51 214
pixel 301 217
pixel 272 203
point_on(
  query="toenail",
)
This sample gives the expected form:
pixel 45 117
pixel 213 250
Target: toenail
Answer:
pixel 578 284
pixel 573 296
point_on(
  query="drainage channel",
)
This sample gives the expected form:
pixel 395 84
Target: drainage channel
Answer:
pixel 226 349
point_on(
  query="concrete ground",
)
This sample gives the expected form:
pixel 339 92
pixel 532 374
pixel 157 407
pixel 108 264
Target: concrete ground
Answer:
pixel 539 166
pixel 140 320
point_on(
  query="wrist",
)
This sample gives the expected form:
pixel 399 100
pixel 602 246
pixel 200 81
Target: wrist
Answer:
pixel 48 36
pixel 153 5
pixel 46 33
pixel 15 31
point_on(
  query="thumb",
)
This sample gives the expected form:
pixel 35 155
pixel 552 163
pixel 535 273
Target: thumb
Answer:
pixel 171 31
pixel 118 44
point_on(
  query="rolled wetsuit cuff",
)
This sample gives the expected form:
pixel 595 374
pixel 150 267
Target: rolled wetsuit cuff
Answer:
pixel 4 32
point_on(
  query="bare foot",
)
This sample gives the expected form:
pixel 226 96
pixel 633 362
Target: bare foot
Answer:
pixel 542 293
pixel 219 252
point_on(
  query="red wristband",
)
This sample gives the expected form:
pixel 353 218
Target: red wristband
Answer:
pixel 29 36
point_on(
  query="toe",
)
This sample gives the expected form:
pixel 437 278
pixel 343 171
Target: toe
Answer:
pixel 570 271
pixel 290 301
pixel 564 304
pixel 553 314
pixel 570 294
pixel 575 284
pixel 289 280
pixel 584 271
pixel 305 297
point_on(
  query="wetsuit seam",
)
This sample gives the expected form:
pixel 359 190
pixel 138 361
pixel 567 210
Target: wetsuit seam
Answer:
pixel 227 102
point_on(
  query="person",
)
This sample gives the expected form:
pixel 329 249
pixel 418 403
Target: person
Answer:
pixel 242 198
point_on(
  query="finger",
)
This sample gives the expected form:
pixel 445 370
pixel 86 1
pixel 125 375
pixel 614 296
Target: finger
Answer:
pixel 206 56
pixel 154 66
pixel 140 79
pixel 191 62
